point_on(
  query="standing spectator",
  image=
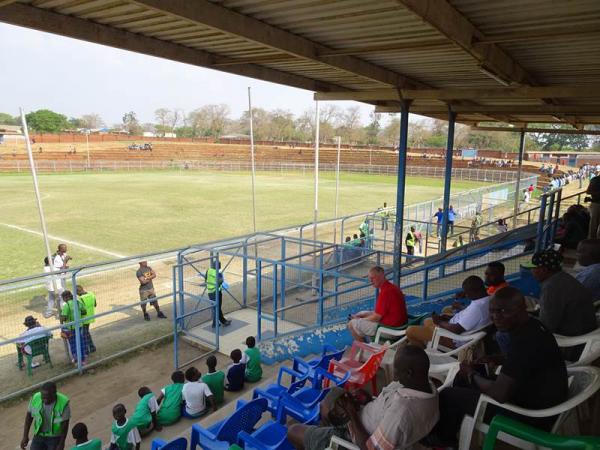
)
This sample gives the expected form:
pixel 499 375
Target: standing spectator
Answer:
pixel 419 238
pixel 390 308
pixel 439 215
pixel 475 224
pixel 588 257
pixel 49 412
pixel 410 241
pixel 214 285
pixel 593 190
pixel 531 188
pixel 60 262
pixel 526 196
pixel 52 284
pixel 67 315
pixel 451 219
pixel 145 275
pixel 89 302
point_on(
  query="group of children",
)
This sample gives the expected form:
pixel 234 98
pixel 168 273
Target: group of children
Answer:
pixel 189 395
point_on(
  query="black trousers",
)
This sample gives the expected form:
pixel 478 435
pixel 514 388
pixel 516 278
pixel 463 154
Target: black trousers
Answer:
pixel 212 296
pixel 410 250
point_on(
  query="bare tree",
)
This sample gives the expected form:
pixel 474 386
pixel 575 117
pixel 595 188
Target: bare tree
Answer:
pixel 92 121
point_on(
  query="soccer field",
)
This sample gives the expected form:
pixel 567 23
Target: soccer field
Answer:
pixel 127 213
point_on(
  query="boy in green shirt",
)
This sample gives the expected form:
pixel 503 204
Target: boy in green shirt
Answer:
pixel 80 434
pixel 170 400
pixel 251 358
pixel 144 416
pixel 215 379
pixel 124 434
pixel 89 302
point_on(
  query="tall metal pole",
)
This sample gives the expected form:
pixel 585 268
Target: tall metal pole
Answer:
pixel 518 184
pixel 316 207
pixel 36 189
pixel 87 146
pixel 448 178
pixel 337 187
pixel 252 158
pixel 400 187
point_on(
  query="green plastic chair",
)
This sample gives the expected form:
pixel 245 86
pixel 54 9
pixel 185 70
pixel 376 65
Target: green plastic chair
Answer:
pixel 394 334
pixel 39 347
pixel 536 436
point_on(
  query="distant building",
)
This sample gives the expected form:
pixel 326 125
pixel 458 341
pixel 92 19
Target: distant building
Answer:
pixel 10 133
pixel 168 135
pixel 149 134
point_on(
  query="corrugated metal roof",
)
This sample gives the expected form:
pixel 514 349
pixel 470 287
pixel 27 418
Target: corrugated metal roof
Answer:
pixel 353 45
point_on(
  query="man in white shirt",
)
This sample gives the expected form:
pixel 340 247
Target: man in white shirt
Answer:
pixel 195 394
pixel 469 318
pixel 60 262
pixel 34 331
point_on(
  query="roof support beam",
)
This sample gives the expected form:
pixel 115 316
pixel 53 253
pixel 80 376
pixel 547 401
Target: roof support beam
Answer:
pixel 501 109
pixel 549 33
pixel 525 92
pixel 411 46
pixel 226 20
pixel 539 130
pixel 44 20
pixel 447 20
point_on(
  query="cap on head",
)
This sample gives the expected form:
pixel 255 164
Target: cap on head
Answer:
pixel 549 259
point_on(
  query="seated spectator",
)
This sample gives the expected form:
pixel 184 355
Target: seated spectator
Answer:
pixel 215 379
pixel 474 316
pixel 533 373
pixel 400 416
pixel 390 308
pixel 588 257
pixel 494 277
pixel 236 372
pixel 144 415
pixel 124 434
pixel 570 231
pixel 33 332
pixel 80 435
pixel 502 226
pixel 170 400
pixel 251 358
pixel 195 394
pixel 566 306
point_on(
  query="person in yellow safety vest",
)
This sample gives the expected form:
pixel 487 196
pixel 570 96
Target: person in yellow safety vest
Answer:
pixel 410 241
pixel 89 301
pixel 49 412
pixel 214 280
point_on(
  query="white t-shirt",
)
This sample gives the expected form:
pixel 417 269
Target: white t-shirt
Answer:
pixel 133 437
pixel 153 404
pixel 194 394
pixel 49 283
pixel 474 316
pixel 31 335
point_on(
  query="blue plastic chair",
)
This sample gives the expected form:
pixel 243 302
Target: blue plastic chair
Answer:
pixel 303 405
pixel 275 390
pixel 271 435
pixel 176 444
pixel 223 434
pixel 308 367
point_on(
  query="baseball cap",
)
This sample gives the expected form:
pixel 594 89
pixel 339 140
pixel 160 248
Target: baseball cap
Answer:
pixel 550 259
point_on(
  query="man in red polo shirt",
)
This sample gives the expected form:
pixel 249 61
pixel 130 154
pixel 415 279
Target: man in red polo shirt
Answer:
pixel 390 308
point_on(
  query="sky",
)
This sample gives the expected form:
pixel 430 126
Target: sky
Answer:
pixel 41 70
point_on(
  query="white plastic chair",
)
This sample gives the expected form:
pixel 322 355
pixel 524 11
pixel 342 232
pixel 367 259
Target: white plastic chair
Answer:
pixel 584 383
pixel 387 365
pixel 337 443
pixel 591 349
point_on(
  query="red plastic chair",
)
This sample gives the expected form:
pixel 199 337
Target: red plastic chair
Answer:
pixel 361 372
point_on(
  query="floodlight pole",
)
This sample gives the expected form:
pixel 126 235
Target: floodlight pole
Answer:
pixel 38 198
pixel 337 186
pixel 447 179
pixel 518 183
pixel 252 159
pixel 87 145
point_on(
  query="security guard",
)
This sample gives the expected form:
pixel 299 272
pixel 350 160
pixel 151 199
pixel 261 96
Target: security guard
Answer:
pixel 214 280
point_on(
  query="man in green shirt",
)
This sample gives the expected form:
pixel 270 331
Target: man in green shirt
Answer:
pixel 89 301
pixel 49 412
pixel 215 379
pixel 67 315
pixel 170 400
pixel 80 434
pixel 251 358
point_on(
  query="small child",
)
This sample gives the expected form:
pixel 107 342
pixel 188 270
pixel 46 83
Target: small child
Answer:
pixel 235 372
pixel 80 434
pixel 124 435
pixel 144 416
pixel 170 400
pixel 195 394
pixel 251 359
pixel 215 379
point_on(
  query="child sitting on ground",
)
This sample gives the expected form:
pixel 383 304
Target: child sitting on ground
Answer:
pixel 80 434
pixel 235 372
pixel 124 434
pixel 215 379
pixel 144 416
pixel 195 395
pixel 251 358
pixel 170 400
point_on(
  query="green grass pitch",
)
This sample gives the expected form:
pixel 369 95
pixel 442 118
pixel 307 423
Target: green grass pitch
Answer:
pixel 131 213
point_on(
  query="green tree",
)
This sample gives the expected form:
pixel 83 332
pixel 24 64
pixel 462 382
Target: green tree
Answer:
pixel 373 128
pixel 558 142
pixel 7 119
pixel 46 121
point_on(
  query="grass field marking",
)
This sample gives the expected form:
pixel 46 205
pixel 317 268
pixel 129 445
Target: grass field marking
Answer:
pixel 66 241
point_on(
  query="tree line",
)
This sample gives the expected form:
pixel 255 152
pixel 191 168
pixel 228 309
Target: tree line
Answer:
pixel 215 120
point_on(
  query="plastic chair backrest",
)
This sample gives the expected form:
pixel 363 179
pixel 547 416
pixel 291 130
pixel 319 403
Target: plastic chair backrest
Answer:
pixel 39 346
pixel 371 365
pixel 242 419
pixel 177 444
pixel 326 358
pixel 535 436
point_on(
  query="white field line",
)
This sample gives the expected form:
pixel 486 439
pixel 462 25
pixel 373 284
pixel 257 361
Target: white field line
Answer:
pixel 66 241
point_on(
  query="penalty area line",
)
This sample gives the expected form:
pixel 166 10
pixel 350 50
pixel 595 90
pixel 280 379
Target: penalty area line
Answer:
pixel 66 241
